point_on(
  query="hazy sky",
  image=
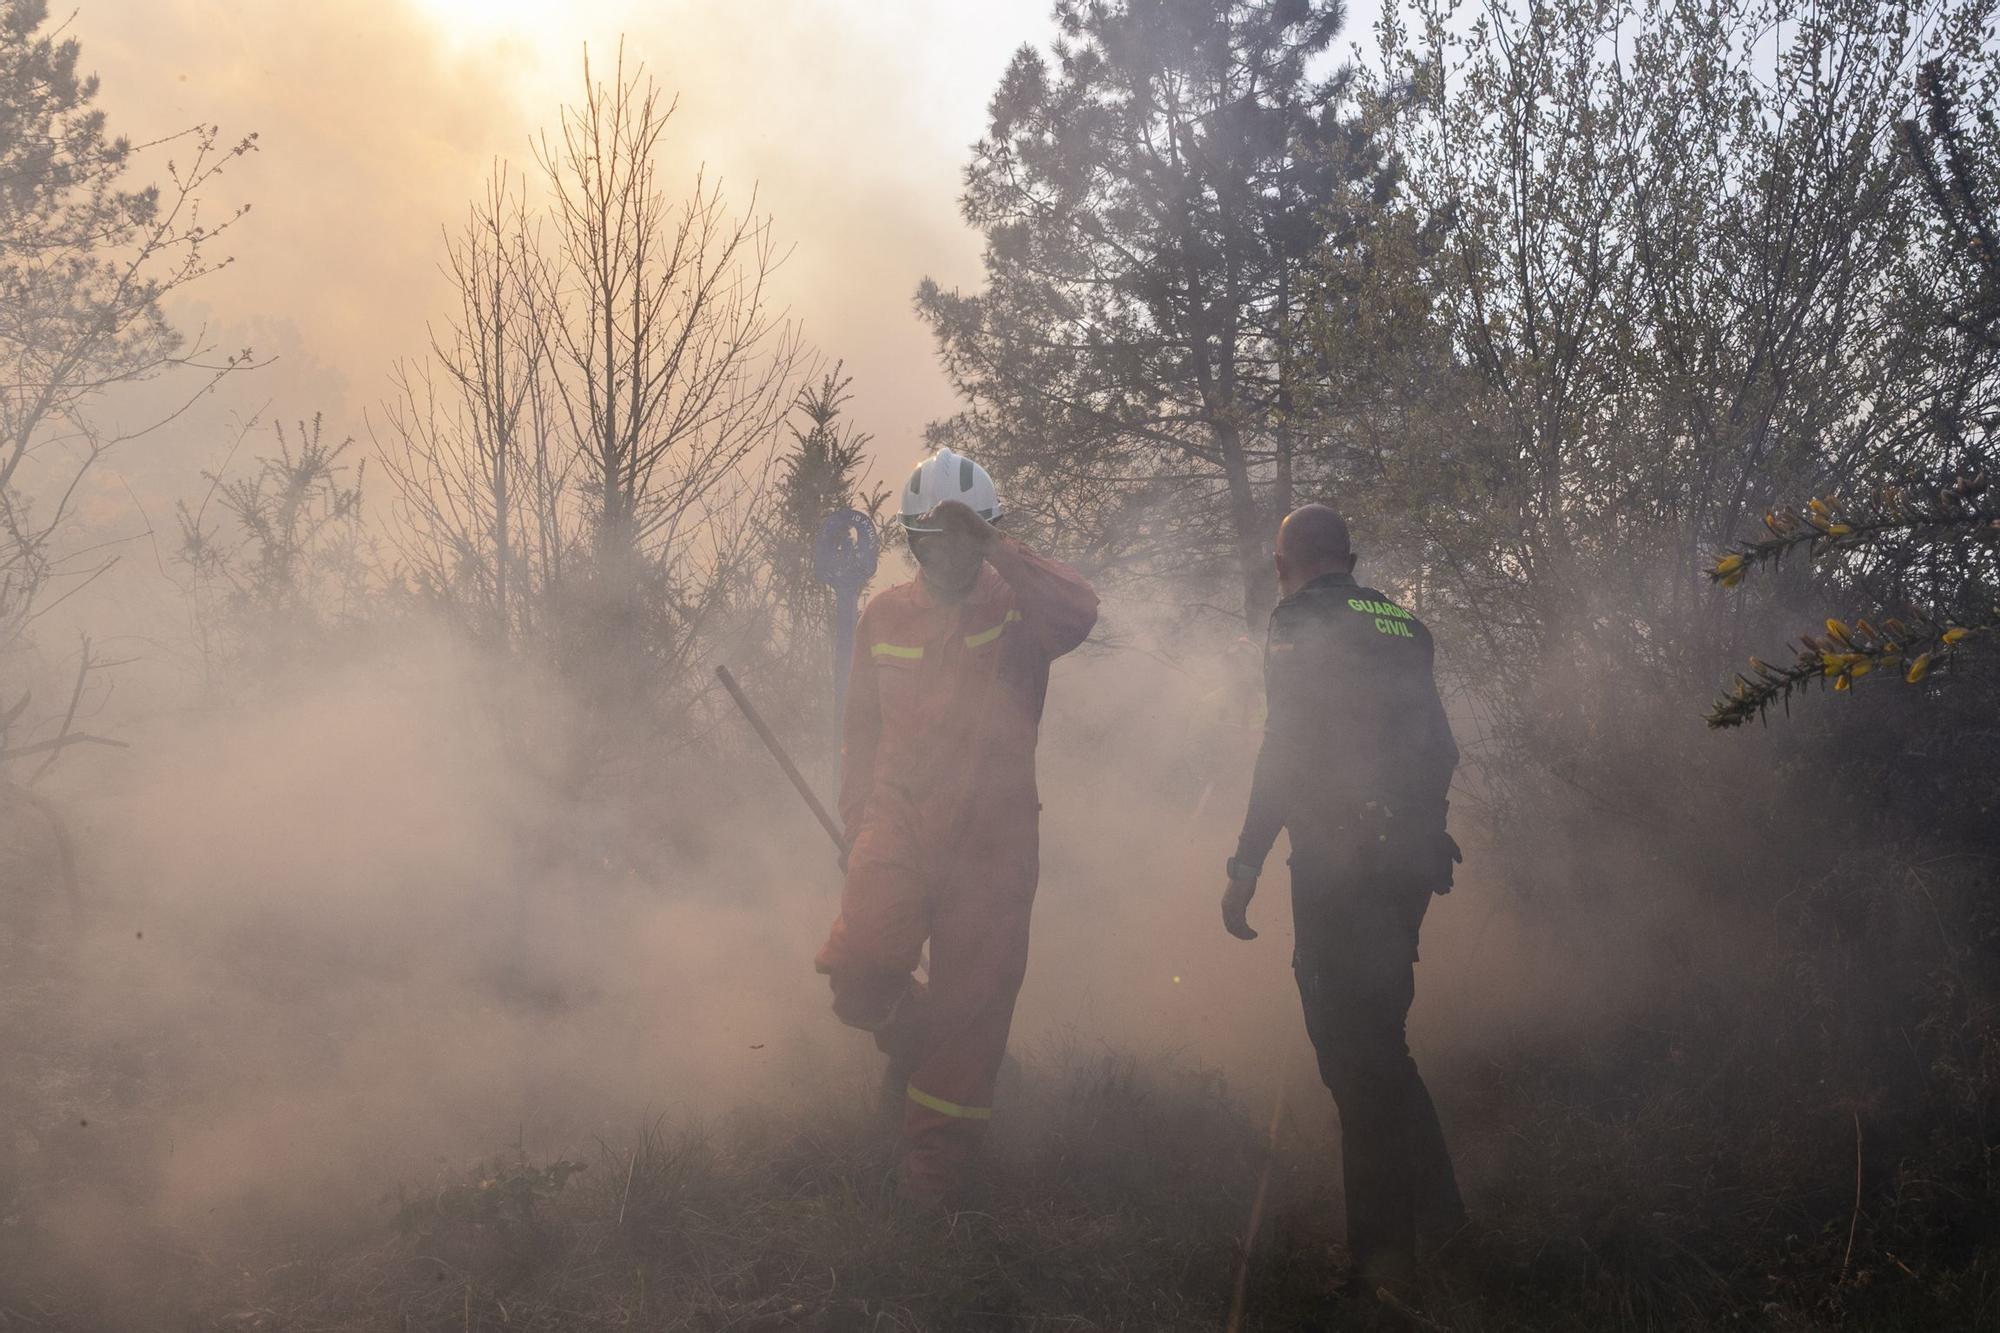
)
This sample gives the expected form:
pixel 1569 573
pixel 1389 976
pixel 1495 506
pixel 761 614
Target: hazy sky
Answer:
pixel 378 120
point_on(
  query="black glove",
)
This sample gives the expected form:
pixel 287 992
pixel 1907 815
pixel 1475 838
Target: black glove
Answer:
pixel 1236 908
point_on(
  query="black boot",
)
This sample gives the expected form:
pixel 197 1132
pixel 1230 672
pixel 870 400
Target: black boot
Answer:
pixel 900 1036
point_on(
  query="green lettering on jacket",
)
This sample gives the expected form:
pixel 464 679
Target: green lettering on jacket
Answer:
pixel 1387 610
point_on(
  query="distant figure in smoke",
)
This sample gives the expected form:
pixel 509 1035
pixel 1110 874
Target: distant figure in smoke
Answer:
pixel 1356 765
pixel 937 792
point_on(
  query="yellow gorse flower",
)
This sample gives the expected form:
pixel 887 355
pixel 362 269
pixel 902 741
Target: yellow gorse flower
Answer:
pixel 1955 634
pixel 1918 669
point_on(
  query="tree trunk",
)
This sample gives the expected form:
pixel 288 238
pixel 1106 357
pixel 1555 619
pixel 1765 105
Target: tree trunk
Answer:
pixel 1252 540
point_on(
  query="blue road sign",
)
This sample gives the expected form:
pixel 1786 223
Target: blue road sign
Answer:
pixel 844 558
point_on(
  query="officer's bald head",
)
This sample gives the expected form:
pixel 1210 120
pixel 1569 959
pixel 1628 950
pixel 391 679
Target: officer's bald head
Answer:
pixel 1312 541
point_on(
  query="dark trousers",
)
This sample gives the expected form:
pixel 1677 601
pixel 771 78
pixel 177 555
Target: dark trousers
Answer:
pixel 1355 963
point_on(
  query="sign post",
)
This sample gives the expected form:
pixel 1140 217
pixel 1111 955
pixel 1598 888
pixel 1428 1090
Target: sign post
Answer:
pixel 845 558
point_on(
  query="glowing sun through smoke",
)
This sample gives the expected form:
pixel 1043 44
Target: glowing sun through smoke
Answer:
pixel 476 22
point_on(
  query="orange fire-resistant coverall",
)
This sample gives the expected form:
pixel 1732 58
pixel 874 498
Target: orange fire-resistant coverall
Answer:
pixel 937 791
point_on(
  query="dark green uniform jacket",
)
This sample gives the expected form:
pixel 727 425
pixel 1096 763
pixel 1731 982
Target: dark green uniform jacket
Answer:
pixel 1357 755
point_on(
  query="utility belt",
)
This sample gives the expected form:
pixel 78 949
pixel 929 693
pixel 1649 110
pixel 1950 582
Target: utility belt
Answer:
pixel 1376 839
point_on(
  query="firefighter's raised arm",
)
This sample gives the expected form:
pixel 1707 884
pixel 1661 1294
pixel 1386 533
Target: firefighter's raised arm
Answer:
pixel 1057 607
pixel 1055 603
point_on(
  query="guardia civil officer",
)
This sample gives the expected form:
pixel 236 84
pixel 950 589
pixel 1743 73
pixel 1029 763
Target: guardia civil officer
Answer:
pixel 1356 764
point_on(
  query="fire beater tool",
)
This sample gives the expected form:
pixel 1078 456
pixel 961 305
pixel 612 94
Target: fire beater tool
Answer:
pixel 799 783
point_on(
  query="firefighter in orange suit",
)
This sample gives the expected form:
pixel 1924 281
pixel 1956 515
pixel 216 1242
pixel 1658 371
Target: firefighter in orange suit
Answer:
pixel 937 792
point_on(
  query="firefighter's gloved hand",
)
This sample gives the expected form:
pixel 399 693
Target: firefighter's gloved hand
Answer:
pixel 1236 908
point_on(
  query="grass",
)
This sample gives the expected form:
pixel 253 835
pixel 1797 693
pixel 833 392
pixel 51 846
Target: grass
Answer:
pixel 1112 1199
pixel 1616 1189
pixel 1816 1147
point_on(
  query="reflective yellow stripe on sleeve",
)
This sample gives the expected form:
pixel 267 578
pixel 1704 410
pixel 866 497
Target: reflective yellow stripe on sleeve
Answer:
pixel 986 636
pixel 943 1107
pixel 896 650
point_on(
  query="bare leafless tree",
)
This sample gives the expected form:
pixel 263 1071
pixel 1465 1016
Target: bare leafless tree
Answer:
pixel 482 485
pixel 675 363
pixel 579 458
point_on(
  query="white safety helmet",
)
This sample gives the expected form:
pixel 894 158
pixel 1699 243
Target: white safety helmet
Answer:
pixel 947 476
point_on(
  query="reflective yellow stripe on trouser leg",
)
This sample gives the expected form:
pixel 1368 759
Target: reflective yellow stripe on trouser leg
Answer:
pixel 943 1107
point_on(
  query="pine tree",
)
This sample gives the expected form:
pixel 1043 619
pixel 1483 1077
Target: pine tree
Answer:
pixel 1150 200
pixel 821 476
